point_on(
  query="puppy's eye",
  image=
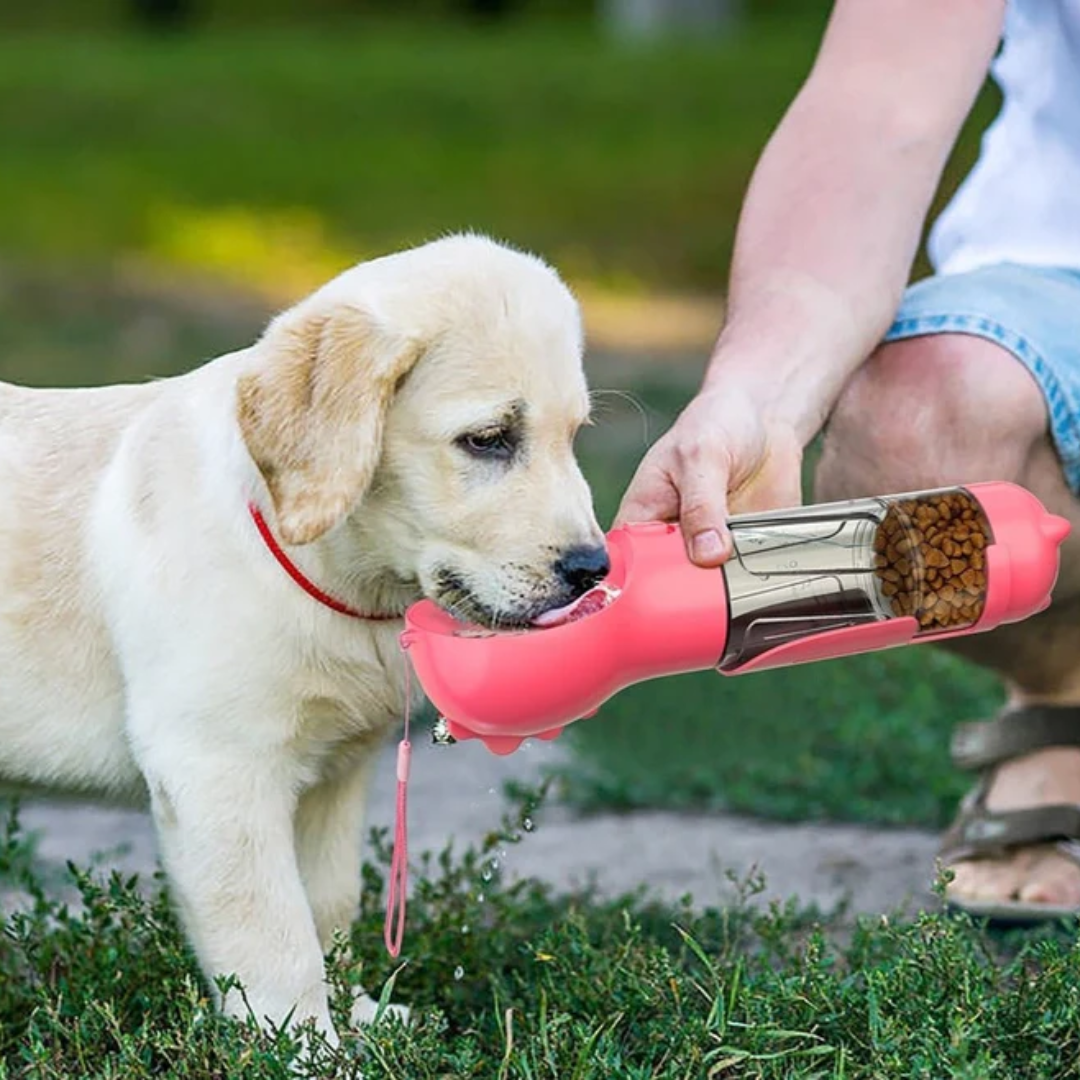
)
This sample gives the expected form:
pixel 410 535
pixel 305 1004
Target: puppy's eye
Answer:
pixel 490 443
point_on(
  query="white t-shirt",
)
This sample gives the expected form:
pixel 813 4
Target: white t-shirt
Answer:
pixel 1021 201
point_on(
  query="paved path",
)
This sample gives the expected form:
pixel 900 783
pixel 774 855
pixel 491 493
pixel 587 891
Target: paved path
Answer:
pixel 456 794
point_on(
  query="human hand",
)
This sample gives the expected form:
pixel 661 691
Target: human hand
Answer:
pixel 723 455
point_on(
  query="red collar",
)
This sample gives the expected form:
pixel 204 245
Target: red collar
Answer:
pixel 297 575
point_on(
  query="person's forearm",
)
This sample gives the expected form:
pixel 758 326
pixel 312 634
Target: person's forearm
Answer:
pixel 830 227
pixel 828 233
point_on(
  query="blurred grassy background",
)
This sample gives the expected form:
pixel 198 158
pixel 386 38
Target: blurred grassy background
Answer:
pixel 273 159
pixel 273 156
pixel 161 191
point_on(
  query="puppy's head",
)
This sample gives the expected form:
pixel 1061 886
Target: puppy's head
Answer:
pixel 425 405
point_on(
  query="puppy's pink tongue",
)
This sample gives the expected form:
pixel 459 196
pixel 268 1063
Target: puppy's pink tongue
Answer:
pixel 588 604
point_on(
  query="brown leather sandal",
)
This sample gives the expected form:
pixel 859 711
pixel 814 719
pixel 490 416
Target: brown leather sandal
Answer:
pixel 981 833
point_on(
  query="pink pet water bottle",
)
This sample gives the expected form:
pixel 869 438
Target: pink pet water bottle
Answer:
pixel 805 584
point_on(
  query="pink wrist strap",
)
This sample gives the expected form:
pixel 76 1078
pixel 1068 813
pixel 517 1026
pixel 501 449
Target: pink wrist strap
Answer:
pixel 393 933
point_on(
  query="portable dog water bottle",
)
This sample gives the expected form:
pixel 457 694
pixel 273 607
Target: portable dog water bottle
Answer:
pixel 805 584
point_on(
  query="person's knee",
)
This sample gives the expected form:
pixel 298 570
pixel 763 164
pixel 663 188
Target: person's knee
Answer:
pixel 931 412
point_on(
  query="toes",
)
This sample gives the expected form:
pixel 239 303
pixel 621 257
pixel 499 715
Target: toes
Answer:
pixel 984 879
pixel 1039 875
pixel 964 881
pixel 1055 879
pixel 402 1012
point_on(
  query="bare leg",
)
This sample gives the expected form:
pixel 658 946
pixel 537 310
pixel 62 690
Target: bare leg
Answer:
pixel 953 408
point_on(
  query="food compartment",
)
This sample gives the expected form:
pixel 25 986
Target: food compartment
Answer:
pixel 930 559
pixel 797 574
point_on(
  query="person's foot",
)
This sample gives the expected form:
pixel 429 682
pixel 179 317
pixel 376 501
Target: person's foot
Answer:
pixel 1035 874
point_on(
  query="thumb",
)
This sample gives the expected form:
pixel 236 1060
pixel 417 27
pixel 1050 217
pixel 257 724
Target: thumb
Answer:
pixel 703 517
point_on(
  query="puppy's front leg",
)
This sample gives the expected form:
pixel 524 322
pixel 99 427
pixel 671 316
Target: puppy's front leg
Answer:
pixel 225 825
pixel 329 839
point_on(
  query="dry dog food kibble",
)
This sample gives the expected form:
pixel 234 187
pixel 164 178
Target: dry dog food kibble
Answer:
pixel 930 559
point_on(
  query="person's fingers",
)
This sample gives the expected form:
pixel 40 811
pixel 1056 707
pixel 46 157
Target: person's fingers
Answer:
pixel 703 510
pixel 787 486
pixel 655 500
pixel 651 495
pixel 775 485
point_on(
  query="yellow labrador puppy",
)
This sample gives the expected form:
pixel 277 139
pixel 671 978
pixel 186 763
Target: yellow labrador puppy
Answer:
pixel 405 431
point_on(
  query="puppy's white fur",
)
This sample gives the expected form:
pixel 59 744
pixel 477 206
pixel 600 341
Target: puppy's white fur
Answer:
pixel 152 648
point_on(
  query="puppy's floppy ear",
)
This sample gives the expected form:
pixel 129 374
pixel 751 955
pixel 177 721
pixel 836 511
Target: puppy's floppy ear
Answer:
pixel 312 416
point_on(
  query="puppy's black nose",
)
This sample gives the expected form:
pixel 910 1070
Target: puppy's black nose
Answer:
pixel 583 567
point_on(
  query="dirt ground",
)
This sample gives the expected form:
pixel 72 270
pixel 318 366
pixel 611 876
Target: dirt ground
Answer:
pixel 456 794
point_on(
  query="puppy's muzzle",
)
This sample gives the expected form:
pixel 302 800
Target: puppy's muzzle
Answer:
pixel 583 567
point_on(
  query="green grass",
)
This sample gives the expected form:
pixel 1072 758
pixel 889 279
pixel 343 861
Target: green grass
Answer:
pixel 274 155
pixel 523 984
pixel 863 739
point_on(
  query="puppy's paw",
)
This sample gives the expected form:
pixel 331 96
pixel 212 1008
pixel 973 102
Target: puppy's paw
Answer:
pixel 365 1007
pixel 314 1051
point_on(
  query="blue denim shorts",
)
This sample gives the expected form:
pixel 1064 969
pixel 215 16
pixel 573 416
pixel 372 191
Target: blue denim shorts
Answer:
pixel 1032 311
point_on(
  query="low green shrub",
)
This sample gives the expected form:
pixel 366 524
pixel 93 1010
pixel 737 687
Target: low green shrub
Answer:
pixel 508 980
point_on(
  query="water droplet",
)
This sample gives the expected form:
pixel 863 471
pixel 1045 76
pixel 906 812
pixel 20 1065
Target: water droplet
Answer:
pixel 527 824
pixel 459 973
